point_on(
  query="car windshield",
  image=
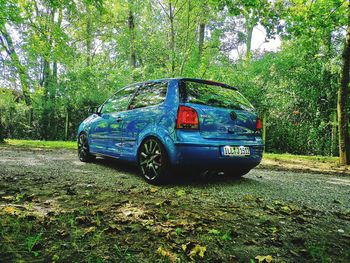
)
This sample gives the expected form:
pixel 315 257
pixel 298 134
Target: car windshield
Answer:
pixel 214 95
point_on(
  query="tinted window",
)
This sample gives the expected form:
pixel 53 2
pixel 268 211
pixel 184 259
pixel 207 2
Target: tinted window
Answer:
pixel 213 95
pixel 119 101
pixel 149 94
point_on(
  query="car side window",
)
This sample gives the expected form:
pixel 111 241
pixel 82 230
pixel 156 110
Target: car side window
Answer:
pixel 149 94
pixel 119 101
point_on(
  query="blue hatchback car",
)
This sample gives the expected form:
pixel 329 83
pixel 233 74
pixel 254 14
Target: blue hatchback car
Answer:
pixel 175 123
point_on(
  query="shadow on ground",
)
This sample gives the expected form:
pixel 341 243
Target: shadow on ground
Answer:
pixel 179 177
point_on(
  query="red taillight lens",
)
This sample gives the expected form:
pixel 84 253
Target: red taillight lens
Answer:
pixel 258 124
pixel 187 118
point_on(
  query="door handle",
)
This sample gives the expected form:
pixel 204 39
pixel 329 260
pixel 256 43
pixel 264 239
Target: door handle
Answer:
pixel 119 119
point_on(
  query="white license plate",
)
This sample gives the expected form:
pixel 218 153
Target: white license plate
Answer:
pixel 236 151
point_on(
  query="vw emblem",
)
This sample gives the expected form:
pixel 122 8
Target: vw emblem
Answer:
pixel 233 115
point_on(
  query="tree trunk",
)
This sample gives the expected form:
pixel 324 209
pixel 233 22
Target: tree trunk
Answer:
pixel 186 49
pixel 2 130
pixel 344 157
pixel 172 39
pixel 333 134
pixel 201 39
pixel 54 66
pixel 131 24
pixel 66 128
pixel 249 42
pixel 88 31
pixel 7 43
pixel 264 119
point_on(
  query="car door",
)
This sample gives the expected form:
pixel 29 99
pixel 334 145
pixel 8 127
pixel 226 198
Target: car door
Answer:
pixel 106 130
pixel 98 134
pixel 115 120
pixel 143 111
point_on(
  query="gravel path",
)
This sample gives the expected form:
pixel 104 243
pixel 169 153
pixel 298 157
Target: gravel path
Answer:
pixel 57 177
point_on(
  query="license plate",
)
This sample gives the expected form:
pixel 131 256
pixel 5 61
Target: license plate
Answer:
pixel 236 151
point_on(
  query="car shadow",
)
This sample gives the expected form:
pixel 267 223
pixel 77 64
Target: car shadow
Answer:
pixel 179 178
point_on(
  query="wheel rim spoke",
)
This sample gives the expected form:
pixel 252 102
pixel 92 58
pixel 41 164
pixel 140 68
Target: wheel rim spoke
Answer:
pixel 154 169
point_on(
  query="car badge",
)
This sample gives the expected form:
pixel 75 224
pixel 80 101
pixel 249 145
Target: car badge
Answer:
pixel 233 115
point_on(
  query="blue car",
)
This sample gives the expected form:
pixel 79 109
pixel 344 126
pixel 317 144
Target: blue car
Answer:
pixel 162 125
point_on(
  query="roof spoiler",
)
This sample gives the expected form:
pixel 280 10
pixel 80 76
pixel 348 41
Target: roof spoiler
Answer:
pixel 210 82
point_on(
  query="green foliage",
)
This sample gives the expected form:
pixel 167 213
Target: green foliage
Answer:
pixel 32 241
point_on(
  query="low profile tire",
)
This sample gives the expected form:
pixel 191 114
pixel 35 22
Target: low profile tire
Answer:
pixel 236 173
pixel 153 161
pixel 84 150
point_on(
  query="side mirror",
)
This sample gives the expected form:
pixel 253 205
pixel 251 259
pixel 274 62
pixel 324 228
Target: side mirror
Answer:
pixel 93 110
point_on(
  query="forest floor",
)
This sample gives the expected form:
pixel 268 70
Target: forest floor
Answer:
pixel 54 208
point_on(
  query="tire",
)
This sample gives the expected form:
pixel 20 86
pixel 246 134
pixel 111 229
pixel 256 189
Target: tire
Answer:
pixel 84 150
pixel 237 173
pixel 153 161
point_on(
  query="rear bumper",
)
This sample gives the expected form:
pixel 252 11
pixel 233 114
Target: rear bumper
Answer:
pixel 210 156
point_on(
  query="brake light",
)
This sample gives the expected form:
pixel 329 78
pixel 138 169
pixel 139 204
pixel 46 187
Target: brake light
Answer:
pixel 187 118
pixel 258 124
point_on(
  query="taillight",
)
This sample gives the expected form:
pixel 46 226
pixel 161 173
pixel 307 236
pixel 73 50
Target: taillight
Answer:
pixel 258 124
pixel 187 118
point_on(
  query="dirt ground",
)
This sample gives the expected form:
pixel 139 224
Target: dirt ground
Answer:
pixel 54 208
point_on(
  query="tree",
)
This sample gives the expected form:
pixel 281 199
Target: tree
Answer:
pixel 253 13
pixel 9 12
pixel 342 109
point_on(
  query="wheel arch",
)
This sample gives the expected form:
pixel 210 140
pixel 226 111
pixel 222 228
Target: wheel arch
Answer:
pixel 160 139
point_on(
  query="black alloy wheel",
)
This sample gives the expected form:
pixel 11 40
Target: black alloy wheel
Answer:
pixel 83 149
pixel 153 161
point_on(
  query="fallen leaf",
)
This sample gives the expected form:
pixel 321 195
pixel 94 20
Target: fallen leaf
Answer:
pixel 9 210
pixel 89 230
pixel 197 250
pixel 153 189
pixel 165 253
pixel 192 249
pixel 263 259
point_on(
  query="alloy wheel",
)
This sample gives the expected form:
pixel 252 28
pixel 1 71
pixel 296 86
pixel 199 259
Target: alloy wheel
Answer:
pixel 83 147
pixel 151 159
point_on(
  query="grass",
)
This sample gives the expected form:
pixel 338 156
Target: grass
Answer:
pixel 41 144
pixel 288 157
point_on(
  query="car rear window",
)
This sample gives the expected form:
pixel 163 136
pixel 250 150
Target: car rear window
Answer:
pixel 214 95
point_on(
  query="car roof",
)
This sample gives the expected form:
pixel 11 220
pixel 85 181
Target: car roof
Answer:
pixel 209 82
